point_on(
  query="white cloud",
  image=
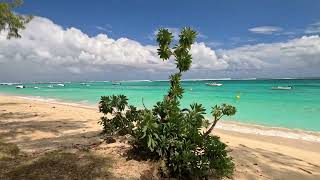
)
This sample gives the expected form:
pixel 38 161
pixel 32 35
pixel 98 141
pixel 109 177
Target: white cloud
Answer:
pixel 105 28
pixel 48 51
pixel 300 53
pixel 265 29
pixel 58 49
pixel 313 28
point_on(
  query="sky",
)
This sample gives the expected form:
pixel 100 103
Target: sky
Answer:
pixel 114 39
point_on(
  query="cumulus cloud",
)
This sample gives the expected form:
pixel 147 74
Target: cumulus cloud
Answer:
pixel 265 29
pixel 55 48
pixel 300 53
pixel 313 28
pixel 48 51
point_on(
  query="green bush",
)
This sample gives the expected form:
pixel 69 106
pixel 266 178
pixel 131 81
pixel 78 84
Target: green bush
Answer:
pixel 168 132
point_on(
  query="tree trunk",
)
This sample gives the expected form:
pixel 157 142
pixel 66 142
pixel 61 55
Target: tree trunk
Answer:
pixel 211 128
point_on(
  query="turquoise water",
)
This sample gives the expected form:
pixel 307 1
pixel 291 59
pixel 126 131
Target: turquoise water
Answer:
pixel 298 108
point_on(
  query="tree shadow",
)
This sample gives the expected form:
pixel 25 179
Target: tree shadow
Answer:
pixel 58 164
pixel 9 104
pixel 78 141
pixel 20 128
pixel 140 155
pixel 256 163
pixel 26 127
pixel 19 115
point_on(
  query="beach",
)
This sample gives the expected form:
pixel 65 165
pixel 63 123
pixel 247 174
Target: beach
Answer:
pixel 255 100
pixel 38 127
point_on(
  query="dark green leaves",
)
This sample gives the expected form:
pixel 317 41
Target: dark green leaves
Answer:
pixel 228 110
pixel 180 51
pixel 176 90
pixel 114 120
pixel 108 104
pixel 164 38
pixel 11 22
pixel 167 132
pixel 223 110
pixel 187 38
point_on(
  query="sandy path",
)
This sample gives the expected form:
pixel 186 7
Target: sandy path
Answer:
pixel 40 126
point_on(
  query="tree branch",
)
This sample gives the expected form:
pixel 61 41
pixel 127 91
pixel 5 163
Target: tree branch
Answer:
pixel 213 125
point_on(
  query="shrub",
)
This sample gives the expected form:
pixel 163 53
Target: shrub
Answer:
pixel 168 132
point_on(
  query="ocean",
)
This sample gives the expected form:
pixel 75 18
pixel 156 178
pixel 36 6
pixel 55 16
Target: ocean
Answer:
pixel 257 103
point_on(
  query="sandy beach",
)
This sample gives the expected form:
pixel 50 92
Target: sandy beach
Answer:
pixel 39 127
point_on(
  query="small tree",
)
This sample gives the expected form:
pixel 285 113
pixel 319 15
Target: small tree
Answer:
pixel 218 112
pixel 10 21
pixel 168 132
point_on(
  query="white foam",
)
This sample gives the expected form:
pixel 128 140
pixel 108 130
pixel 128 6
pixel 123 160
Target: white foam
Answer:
pixel 236 127
pixel 270 132
pixel 83 104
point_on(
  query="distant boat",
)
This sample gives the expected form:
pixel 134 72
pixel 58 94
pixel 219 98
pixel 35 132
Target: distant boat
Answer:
pixel 214 84
pixel 60 85
pixel 282 88
pixel 36 87
pixel 20 87
pixel 116 83
pixel 50 86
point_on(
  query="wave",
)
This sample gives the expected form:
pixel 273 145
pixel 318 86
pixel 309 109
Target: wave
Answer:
pixel 266 131
pixel 82 104
pixel 228 126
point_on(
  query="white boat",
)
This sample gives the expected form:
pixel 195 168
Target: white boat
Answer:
pixel 36 87
pixel 214 84
pixel 50 86
pixel 20 87
pixel 60 85
pixel 282 88
pixel 116 83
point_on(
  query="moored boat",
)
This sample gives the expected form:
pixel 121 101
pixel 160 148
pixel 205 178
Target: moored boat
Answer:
pixel 214 84
pixel 20 87
pixel 116 83
pixel 282 88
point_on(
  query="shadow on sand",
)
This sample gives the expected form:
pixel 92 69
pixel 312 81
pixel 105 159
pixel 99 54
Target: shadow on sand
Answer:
pixel 58 164
pixel 255 162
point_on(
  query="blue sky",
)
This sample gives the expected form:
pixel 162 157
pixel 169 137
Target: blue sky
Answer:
pixel 114 40
pixel 221 22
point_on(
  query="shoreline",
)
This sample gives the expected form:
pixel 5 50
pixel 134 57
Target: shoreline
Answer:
pixel 38 127
pixel 224 125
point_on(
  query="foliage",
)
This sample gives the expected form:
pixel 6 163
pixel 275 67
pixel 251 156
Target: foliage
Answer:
pixel 11 22
pixel 218 112
pixel 115 120
pixel 168 132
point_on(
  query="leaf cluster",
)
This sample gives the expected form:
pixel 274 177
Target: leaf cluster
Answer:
pixel 168 132
pixel 118 116
pixel 10 21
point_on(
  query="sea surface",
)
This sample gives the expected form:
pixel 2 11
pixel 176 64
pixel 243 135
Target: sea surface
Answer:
pixel 257 103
